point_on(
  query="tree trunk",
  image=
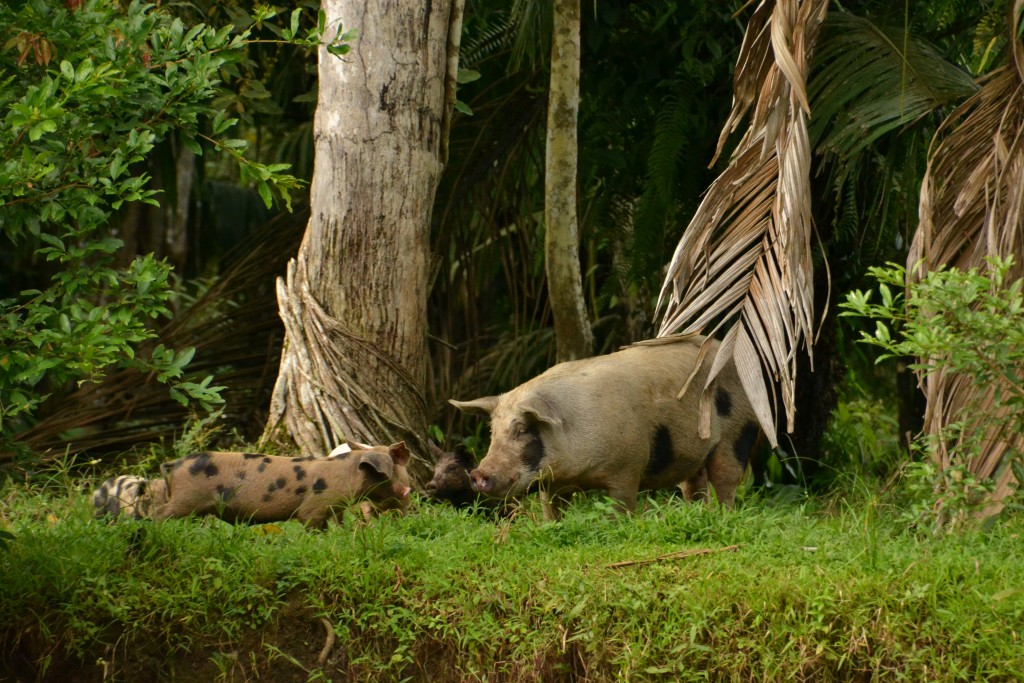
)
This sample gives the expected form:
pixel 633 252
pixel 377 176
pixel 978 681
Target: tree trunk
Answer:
pixel 573 335
pixel 354 300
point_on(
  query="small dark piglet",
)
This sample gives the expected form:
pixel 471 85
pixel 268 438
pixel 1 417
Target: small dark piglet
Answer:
pixel 451 482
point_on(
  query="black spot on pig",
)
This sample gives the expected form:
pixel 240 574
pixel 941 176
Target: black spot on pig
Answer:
pixel 240 475
pixel 319 486
pixel 276 484
pixel 300 473
pixel 661 452
pixel 745 443
pixel 267 497
pixel 225 493
pixel 252 456
pixel 202 465
pixel 300 490
pixel 723 402
pixel 200 460
pixel 533 452
pixel 263 465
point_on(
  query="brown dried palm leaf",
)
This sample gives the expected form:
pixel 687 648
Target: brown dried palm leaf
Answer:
pixel 744 261
pixel 972 198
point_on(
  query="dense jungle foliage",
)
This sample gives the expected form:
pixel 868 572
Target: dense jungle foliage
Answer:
pixel 154 170
pixel 142 256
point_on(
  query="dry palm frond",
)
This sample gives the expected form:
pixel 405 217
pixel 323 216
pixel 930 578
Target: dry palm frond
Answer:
pixel 972 207
pixel 744 261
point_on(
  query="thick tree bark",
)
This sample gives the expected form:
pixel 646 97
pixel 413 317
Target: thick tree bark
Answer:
pixel 354 301
pixel 573 335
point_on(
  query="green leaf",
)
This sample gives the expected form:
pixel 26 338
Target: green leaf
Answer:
pixel 264 190
pixel 467 76
pixel 52 240
pixel 192 145
pixel 463 107
pixel 184 357
pixel 1018 471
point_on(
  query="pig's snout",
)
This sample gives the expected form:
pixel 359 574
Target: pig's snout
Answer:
pixel 432 487
pixel 482 483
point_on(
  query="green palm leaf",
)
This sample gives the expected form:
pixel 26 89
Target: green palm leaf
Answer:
pixel 871 80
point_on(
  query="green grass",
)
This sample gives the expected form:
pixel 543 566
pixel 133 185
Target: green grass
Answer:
pixel 819 589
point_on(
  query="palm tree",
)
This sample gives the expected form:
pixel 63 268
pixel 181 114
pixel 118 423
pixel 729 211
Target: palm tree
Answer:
pixel 972 208
pixel 743 266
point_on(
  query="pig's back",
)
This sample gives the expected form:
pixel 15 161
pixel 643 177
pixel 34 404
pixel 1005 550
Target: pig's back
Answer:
pixel 653 370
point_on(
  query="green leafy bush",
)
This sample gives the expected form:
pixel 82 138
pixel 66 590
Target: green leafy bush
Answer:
pixel 966 322
pixel 86 91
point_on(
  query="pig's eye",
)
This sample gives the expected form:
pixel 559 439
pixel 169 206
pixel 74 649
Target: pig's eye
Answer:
pixel 520 430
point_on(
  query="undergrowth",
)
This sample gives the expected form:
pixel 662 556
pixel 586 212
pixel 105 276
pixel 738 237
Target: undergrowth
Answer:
pixel 824 588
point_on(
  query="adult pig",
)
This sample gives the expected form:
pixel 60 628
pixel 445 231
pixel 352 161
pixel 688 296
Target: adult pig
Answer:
pixel 614 422
pixel 252 487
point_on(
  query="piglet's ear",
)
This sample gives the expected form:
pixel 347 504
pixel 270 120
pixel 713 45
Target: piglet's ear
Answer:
pixel 399 453
pixel 478 406
pixel 372 461
pixel 464 457
pixel 435 452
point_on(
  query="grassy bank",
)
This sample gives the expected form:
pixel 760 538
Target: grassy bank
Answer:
pixel 814 590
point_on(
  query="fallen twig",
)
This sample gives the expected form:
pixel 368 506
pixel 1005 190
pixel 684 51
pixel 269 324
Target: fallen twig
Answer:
pixel 678 555
pixel 329 645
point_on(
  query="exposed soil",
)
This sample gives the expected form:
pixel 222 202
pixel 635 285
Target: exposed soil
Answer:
pixel 285 651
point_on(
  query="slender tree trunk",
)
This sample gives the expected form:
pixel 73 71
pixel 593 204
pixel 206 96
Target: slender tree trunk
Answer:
pixel 354 301
pixel 573 335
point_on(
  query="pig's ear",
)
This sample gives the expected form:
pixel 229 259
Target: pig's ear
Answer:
pixel 399 453
pixel 464 457
pixel 536 409
pixel 479 406
pixel 436 452
pixel 381 463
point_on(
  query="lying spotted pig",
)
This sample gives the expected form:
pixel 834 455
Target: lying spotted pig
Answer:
pixel 252 487
pixel 614 423
pixel 130 495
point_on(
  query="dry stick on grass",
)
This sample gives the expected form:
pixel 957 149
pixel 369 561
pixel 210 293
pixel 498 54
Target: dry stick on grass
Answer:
pixel 329 645
pixel 677 555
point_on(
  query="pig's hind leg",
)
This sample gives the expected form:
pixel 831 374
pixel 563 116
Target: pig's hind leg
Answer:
pixel 695 487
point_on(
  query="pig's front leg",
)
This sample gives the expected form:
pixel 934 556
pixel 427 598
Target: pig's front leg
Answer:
pixel 553 504
pixel 624 495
